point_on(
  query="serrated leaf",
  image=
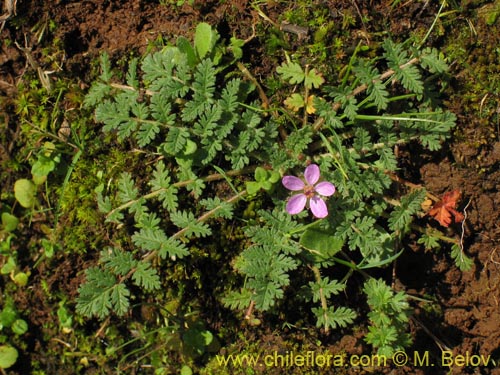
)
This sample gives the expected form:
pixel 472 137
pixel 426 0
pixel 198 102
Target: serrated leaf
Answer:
pixel 131 76
pixel 429 241
pixel 173 248
pixel 120 299
pixel 118 261
pixel 313 79
pixel 325 288
pixel 105 67
pixel 94 294
pixel 176 140
pixel 238 300
pixel 411 203
pixel 189 224
pixel 333 318
pixel 147 132
pixel 433 60
pixel 219 207
pixel 146 277
pixel 127 191
pixel 149 239
pixel 292 72
pixel 294 102
pixel 462 261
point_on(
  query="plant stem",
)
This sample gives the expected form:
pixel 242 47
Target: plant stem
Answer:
pixel 212 177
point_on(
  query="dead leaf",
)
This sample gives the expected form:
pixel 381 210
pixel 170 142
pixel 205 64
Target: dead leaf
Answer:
pixel 443 210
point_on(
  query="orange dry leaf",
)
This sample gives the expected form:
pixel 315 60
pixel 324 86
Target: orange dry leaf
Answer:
pixel 445 208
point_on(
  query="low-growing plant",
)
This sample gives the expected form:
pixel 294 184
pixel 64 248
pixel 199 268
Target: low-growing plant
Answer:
pixel 333 143
pixel 10 325
pixel 389 318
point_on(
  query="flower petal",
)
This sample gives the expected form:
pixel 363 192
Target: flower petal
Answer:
pixel 312 174
pixel 296 204
pixel 325 188
pixel 292 183
pixel 318 207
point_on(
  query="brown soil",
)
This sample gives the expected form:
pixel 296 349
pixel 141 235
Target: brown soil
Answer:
pixel 466 317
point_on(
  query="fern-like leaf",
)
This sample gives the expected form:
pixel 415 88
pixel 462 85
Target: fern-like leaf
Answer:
pixel 94 294
pixel 146 277
pixel 117 261
pixel 238 300
pixel 400 218
pixel 189 224
pixel 176 140
pixel 203 87
pixel 167 192
pixel 333 317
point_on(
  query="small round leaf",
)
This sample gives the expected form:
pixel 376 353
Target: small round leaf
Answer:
pixel 9 222
pixel 19 327
pixel 21 279
pixel 24 191
pixel 8 356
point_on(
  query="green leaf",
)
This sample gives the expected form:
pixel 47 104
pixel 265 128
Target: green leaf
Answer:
pixel 106 74
pixel 146 277
pixel 401 217
pixel 176 140
pixel 127 191
pixel 8 356
pixel 204 39
pixel 292 72
pixel 19 327
pixel 313 79
pixel 173 248
pixel 236 45
pixel 189 224
pixel 197 339
pixel 252 187
pixel 46 161
pixel 333 317
pixel 220 208
pixel 9 266
pixel 149 239
pixel 295 102
pixel 94 294
pixel 25 192
pixel 326 288
pixel 429 241
pixel 321 242
pixel 21 279
pixel 462 261
pixel 120 299
pixel 132 73
pixel 238 300
pixel 186 48
pixel 433 60
pixel 9 222
pixel 118 261
pixel 168 192
pixel 8 315
pixel 203 87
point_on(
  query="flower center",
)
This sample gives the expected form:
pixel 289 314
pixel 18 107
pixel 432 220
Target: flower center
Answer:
pixel 309 191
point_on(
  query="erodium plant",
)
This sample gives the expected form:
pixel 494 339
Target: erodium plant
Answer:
pixel 197 118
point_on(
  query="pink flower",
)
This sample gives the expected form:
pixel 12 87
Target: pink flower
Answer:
pixel 311 193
